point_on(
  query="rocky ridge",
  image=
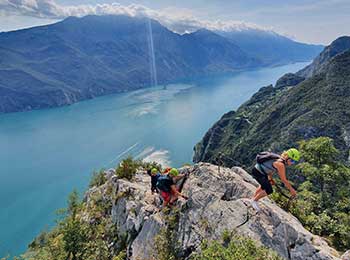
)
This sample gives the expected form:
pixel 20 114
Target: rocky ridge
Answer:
pixel 217 198
pixel 321 61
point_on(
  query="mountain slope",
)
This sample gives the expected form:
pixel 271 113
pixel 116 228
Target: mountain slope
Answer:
pixel 270 47
pixel 278 117
pixel 81 58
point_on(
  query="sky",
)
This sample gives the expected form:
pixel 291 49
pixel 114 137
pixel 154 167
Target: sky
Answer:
pixel 309 21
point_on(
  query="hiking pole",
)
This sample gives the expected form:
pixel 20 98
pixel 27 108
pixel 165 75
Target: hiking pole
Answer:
pixel 220 164
pixel 218 161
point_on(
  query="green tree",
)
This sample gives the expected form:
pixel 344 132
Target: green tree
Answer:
pixel 234 247
pixel 73 230
pixel 84 231
pixel 324 195
pixel 321 162
pixel 127 168
pixel 98 178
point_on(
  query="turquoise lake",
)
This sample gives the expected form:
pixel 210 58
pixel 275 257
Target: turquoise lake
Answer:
pixel 45 154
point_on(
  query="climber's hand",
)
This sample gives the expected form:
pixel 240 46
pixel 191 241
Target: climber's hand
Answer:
pixel 293 193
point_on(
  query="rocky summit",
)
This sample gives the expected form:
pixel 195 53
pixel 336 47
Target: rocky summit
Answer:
pixel 217 203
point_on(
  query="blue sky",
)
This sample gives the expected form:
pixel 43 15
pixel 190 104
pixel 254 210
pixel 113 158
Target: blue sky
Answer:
pixel 308 21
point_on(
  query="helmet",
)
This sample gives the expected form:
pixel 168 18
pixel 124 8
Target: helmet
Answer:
pixel 173 172
pixel 293 154
pixel 154 170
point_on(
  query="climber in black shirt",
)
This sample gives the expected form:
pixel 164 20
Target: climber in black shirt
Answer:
pixel 154 173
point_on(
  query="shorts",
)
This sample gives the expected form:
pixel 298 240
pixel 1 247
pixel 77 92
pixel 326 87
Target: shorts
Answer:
pixel 166 195
pixel 262 180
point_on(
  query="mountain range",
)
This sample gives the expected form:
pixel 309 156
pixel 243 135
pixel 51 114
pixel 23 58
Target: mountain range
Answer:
pixel 270 47
pixel 81 58
pixel 310 103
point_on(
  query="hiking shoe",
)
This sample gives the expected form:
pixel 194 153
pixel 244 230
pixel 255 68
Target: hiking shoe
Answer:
pixel 255 205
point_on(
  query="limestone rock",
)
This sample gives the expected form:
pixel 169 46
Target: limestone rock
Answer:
pixel 346 255
pixel 217 202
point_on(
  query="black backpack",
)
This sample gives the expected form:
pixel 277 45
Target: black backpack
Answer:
pixel 266 156
pixel 162 183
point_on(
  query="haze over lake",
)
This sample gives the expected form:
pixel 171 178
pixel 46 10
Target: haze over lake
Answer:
pixel 45 154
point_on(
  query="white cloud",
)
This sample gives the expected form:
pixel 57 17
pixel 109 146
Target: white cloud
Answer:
pixel 178 20
pixel 309 7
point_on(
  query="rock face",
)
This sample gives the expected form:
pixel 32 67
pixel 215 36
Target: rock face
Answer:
pixel 217 202
pixel 346 255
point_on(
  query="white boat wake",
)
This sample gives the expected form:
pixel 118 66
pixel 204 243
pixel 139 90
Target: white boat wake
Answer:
pixel 123 153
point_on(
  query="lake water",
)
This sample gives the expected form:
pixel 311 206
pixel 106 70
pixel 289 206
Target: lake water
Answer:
pixel 45 154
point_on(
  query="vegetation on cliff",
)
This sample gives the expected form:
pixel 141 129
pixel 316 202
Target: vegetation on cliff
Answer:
pixel 323 203
pixel 233 246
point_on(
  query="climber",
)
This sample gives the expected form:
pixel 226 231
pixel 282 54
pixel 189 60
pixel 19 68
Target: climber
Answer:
pixel 166 170
pixel 267 164
pixel 166 186
pixel 154 173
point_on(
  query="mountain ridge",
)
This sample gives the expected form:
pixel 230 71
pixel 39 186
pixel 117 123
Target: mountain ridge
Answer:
pixel 82 58
pixel 270 47
pixel 91 56
pixel 336 47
